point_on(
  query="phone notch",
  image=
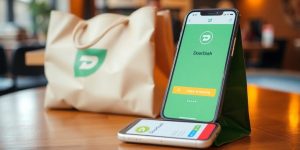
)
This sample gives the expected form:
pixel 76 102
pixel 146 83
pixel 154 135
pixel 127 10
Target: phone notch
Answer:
pixel 212 13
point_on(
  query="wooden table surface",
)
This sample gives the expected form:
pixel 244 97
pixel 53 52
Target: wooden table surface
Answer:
pixel 35 58
pixel 25 124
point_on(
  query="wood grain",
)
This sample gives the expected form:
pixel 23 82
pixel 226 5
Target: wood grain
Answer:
pixel 25 124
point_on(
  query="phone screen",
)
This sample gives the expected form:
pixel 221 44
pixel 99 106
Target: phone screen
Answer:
pixel 172 129
pixel 199 69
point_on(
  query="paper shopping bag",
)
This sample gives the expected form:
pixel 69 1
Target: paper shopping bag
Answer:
pixel 234 118
pixel 110 63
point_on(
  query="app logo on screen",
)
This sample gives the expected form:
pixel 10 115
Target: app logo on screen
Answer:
pixel 206 37
pixel 142 129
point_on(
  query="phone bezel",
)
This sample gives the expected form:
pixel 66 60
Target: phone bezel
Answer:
pixel 124 130
pixel 228 60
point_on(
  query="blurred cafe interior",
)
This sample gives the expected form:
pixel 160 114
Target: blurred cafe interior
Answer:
pixel 270 31
pixel 270 36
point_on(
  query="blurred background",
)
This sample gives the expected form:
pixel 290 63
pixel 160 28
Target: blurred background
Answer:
pixel 270 31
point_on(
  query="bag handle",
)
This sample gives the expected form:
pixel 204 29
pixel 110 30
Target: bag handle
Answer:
pixel 77 33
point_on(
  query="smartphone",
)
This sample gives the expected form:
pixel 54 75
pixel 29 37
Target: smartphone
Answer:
pixel 172 133
pixel 197 79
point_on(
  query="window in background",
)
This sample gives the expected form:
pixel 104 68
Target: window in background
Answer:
pixel 22 15
pixel 2 11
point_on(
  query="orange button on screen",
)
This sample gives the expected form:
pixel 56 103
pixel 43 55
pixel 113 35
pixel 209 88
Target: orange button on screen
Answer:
pixel 194 91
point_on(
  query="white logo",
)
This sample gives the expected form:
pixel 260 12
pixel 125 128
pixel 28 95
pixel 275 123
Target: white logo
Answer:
pixel 206 37
pixel 88 62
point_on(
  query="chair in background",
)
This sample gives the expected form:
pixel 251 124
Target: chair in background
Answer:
pixel 271 59
pixel 25 76
pixel 6 83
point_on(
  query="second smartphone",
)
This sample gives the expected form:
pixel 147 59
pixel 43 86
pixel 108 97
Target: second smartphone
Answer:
pixel 199 72
pixel 173 133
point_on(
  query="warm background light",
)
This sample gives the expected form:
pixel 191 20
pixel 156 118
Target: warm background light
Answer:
pixel 254 3
pixel 252 98
pixel 294 112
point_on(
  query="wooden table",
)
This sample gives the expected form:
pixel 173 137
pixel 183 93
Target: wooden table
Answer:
pixel 255 49
pixel 35 58
pixel 25 124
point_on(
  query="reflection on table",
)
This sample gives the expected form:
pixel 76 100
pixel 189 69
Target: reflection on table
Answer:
pixel 24 123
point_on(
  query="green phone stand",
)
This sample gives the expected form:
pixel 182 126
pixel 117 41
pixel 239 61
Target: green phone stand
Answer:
pixel 234 117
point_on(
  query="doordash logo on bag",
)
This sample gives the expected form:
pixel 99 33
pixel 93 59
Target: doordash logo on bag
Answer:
pixel 88 61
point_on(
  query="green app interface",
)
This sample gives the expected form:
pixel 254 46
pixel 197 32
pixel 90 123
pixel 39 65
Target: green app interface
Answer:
pixel 196 82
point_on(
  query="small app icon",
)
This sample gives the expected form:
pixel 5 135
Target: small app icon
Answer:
pixel 142 129
pixel 196 127
pixel 192 133
pixel 206 37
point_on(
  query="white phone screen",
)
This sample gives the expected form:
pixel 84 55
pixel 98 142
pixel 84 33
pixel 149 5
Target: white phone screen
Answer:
pixel 172 129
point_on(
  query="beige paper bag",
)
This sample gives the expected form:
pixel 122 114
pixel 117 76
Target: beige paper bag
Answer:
pixel 110 63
